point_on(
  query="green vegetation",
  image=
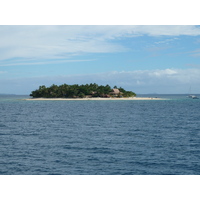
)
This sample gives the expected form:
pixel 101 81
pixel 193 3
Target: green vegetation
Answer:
pixel 80 91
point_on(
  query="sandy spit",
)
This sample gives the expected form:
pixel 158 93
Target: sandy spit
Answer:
pixel 91 99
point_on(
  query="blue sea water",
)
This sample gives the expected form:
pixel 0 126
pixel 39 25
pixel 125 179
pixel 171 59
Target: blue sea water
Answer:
pixel 100 137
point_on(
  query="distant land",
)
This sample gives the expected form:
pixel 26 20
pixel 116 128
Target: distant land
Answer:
pixel 7 94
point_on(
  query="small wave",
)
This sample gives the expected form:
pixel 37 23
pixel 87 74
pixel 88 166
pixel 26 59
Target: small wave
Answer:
pixel 2 126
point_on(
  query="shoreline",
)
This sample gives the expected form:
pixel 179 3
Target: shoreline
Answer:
pixel 93 99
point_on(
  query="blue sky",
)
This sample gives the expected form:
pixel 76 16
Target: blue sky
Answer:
pixel 145 59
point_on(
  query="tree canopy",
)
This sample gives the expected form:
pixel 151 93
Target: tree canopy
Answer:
pixel 79 91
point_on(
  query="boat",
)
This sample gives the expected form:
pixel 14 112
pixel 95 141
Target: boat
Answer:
pixel 193 97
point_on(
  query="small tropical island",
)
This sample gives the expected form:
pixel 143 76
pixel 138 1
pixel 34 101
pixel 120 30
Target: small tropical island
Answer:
pixel 92 90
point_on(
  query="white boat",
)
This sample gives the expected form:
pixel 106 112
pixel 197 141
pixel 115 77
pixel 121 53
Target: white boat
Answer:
pixel 193 97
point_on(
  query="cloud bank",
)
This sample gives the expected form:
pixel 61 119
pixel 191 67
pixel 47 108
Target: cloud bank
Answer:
pixel 171 81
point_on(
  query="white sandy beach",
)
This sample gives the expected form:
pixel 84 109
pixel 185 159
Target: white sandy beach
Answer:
pixel 92 99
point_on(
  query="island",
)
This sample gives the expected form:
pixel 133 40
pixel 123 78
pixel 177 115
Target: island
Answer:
pixel 92 90
pixel 84 92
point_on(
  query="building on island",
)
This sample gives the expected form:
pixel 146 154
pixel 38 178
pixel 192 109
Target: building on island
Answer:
pixel 116 92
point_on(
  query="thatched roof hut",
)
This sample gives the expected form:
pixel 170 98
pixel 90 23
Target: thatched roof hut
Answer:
pixel 115 92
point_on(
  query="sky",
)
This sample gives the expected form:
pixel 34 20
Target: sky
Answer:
pixel 146 59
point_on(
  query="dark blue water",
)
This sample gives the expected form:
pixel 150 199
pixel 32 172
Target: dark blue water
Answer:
pixel 100 137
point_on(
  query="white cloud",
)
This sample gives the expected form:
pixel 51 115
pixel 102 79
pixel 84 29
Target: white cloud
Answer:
pixel 50 62
pixel 52 41
pixel 169 30
pixel 161 73
pixel 56 42
pixel 166 41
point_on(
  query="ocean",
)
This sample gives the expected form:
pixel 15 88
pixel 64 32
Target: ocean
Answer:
pixel 144 137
